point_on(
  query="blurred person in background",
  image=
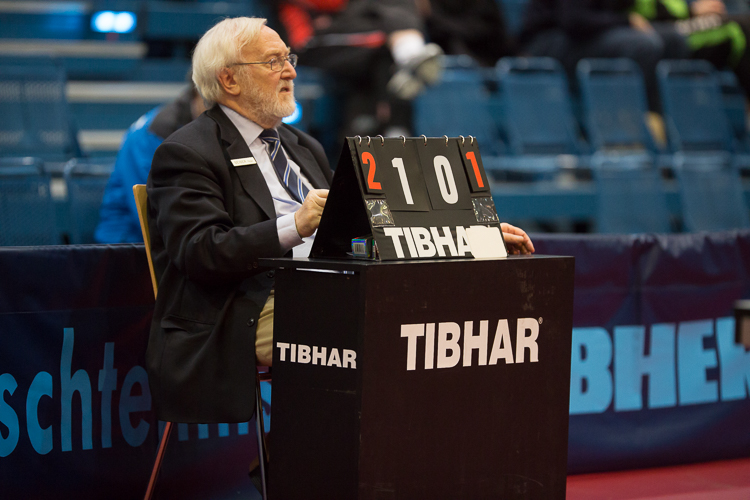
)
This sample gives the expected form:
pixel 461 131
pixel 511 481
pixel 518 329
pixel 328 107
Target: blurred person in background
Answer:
pixel 375 49
pixel 710 32
pixel 570 30
pixel 118 216
pixel 476 28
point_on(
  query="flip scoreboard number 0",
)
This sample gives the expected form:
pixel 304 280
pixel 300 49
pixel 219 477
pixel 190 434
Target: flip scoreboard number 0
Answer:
pixel 419 198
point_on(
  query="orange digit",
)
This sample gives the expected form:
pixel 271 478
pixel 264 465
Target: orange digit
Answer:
pixel 369 160
pixel 473 159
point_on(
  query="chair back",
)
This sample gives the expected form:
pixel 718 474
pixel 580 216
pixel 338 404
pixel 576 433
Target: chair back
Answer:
pixel 35 119
pixel 613 98
pixel 86 180
pixel 141 203
pixel 459 105
pixel 27 211
pixel 693 107
pixel 538 111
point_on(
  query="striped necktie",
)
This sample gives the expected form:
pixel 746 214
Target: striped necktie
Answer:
pixel 286 174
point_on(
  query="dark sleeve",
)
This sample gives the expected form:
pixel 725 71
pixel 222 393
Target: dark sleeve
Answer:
pixel 583 19
pixel 187 197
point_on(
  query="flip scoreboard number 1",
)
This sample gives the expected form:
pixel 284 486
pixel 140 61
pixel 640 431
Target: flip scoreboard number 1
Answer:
pixel 423 197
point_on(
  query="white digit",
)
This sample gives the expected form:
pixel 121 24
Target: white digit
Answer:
pixel 443 171
pixel 398 164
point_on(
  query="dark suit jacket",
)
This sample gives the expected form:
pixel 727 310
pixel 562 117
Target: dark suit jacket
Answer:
pixel 210 222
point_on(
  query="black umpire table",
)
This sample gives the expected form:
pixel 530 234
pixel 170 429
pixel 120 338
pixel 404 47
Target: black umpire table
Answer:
pixel 429 379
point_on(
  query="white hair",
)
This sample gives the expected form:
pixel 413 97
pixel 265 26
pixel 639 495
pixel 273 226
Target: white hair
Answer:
pixel 218 48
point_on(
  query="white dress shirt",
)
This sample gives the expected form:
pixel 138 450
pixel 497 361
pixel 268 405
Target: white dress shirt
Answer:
pixel 283 203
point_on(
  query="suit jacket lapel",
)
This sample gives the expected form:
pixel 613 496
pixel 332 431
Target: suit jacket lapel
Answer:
pixel 250 176
pixel 302 157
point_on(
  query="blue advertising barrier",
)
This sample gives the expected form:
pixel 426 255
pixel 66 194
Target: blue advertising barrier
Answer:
pixel 656 376
pixel 75 408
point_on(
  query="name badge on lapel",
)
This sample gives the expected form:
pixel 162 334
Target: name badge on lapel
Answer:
pixel 241 162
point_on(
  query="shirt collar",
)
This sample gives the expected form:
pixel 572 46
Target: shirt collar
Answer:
pixel 247 128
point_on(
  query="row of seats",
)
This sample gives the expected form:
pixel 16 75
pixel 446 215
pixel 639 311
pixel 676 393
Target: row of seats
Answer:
pixel 50 189
pixel 58 203
pixel 157 48
pixel 50 192
pixel 42 113
pixel 531 127
pixel 34 114
pixel 50 203
pixel 525 119
pixel 524 107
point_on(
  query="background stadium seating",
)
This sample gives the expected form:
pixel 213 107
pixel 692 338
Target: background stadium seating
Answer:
pixel 562 155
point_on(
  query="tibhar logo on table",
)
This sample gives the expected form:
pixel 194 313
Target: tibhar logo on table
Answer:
pixel 315 355
pixel 453 345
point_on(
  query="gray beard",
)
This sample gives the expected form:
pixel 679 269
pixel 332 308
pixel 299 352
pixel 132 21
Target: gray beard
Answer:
pixel 270 108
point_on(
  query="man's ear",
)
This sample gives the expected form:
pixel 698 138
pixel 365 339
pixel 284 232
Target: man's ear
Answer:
pixel 229 82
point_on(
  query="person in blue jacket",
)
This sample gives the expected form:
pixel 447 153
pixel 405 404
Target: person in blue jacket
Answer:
pixel 118 217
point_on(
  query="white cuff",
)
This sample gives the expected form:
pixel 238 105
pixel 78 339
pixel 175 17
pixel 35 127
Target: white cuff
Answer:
pixel 288 235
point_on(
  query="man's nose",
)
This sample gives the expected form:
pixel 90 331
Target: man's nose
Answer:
pixel 288 72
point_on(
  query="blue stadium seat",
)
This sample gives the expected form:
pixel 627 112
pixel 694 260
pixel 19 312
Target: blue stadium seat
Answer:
pixel 630 195
pixel 613 96
pixel 711 193
pixel 459 105
pixel 538 116
pixel 27 215
pixel 85 180
pixel 693 108
pixel 34 115
pixel 700 140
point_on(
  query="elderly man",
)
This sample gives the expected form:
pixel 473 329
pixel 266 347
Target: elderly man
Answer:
pixel 232 186
pixel 229 188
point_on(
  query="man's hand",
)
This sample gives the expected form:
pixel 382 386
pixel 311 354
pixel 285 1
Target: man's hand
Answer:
pixel 307 218
pixel 516 239
pixel 705 7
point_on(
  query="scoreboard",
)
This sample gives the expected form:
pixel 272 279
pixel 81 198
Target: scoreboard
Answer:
pixel 413 198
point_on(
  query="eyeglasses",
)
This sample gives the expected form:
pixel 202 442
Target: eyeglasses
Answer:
pixel 276 64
